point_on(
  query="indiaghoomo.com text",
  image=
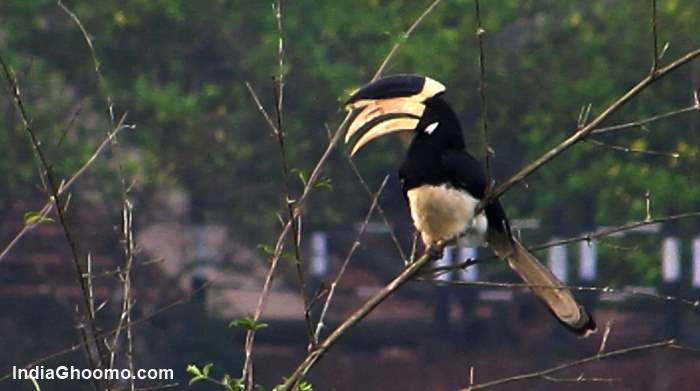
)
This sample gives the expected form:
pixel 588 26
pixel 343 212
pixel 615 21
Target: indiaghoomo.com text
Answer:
pixel 65 372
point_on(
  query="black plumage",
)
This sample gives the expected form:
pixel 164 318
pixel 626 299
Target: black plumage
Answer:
pixel 441 158
pixel 442 183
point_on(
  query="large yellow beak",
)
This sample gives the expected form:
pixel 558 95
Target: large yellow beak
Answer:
pixel 383 117
pixel 381 111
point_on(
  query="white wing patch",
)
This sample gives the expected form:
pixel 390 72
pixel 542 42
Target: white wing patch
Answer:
pixel 431 128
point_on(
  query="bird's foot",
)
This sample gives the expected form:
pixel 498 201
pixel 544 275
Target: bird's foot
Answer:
pixel 435 250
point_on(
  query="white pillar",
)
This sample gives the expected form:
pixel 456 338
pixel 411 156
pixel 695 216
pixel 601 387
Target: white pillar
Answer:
pixel 696 263
pixel 319 254
pixel 671 260
pixel 588 261
pixel 472 272
pixel 558 262
pixel 202 250
pixel 445 261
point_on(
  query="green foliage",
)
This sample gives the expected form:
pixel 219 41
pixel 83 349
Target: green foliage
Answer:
pixel 178 68
pixel 227 382
pixel 248 323
pixel 302 386
pixel 198 374
pixel 34 217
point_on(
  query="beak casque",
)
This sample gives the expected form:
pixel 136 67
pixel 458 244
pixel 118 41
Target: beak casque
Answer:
pixel 390 104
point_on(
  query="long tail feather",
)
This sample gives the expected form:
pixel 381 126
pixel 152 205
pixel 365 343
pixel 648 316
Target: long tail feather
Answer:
pixel 559 300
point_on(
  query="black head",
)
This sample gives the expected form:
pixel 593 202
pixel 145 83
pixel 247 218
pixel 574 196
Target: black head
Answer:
pixel 391 104
pixel 438 127
pixel 394 86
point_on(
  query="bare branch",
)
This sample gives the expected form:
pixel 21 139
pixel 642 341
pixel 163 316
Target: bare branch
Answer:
pixel 106 334
pixel 641 123
pixel 409 272
pixel 581 238
pixel 100 80
pixel 606 334
pixel 580 379
pixel 261 109
pixel 127 300
pixel 655 38
pixel 404 38
pixel 116 272
pixel 48 207
pixel 488 151
pixel 674 155
pixel 380 210
pixel 693 303
pixel 544 374
pixel 583 132
pixel 310 185
pixel 355 245
pixel 53 190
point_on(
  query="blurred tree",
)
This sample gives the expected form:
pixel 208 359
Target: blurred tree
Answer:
pixel 178 68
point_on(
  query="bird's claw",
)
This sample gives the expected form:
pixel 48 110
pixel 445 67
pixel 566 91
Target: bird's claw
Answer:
pixel 435 251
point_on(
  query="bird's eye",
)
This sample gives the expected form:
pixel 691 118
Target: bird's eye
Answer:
pixel 431 128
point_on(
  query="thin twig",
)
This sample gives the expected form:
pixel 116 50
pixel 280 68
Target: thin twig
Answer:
pixel 583 132
pixel 106 334
pixel 48 207
pixel 351 252
pixel 404 37
pixel 581 238
pixel 127 216
pixel 125 278
pixel 290 203
pixel 655 38
pixel 407 274
pixel 674 155
pixel 641 123
pixel 693 303
pixel 308 188
pixel 116 272
pixel 54 196
pixel 580 379
pixel 488 151
pixel 542 374
pixel 100 80
pixel 380 210
pixel 606 334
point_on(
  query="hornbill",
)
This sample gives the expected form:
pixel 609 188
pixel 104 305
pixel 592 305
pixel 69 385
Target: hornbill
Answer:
pixel 442 183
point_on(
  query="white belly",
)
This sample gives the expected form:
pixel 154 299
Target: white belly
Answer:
pixel 442 213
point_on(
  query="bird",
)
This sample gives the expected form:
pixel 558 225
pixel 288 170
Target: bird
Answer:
pixel 442 183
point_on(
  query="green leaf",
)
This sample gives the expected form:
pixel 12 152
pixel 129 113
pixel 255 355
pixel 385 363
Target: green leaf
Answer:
pixel 193 370
pixel 325 184
pixel 248 323
pixel 236 384
pixel 226 382
pixel 34 217
pixel 266 248
pixel 305 386
pixel 300 174
pixel 206 369
pixel 196 379
pixel 289 255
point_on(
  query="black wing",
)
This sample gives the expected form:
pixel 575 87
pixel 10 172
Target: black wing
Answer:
pixel 465 172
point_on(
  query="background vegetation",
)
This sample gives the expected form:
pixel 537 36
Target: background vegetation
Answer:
pixel 178 68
